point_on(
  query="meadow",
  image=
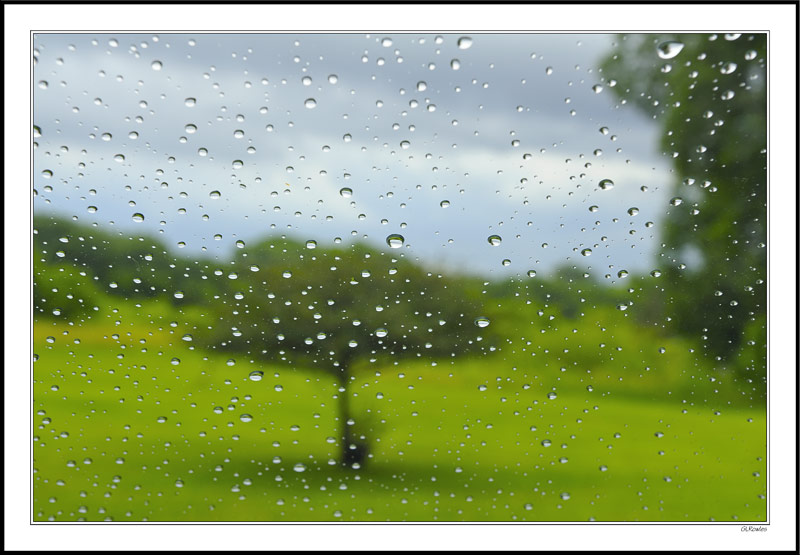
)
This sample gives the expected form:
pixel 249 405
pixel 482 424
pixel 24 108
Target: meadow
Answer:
pixel 133 422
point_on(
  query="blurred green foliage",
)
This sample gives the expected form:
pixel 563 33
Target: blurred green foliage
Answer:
pixel 710 100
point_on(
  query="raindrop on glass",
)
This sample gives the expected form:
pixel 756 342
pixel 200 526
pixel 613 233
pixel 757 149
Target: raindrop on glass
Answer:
pixel 395 241
pixel 669 49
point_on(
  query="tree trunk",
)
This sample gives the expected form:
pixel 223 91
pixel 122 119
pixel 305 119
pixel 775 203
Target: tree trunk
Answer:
pixel 345 436
pixel 353 450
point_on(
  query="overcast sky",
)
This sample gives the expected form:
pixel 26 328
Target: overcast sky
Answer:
pixel 508 134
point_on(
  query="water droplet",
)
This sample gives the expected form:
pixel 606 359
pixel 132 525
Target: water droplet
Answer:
pixel 552 395
pixel 565 496
pixel 240 244
pixel 464 43
pixel 750 55
pixel 586 252
pixel 669 49
pixel 42 84
pixel 531 273
pixel 546 443
pixel 506 262
pixel 190 128
pixel 346 192
pixel 548 70
pixel 728 68
pixel 299 467
pixel 137 217
pixel 622 307
pixel 119 158
pixel 246 417
pixel 405 144
pixel 237 164
pixel 161 419
pixel 47 174
pixel 598 89
pixel 482 321
pixel 310 103
pixel 676 201
pixel 156 65
pixel 633 211
pixel 287 274
pixel 190 102
pixel 395 240
pixel 606 184
pixel 622 274
pixel 178 483
pixel 381 332
pixel 202 151
pixel 333 79
pixel 106 136
pixel 656 273
pixel 494 240
pixel 421 86
pixel 311 244
pixel 215 194
pixel 455 64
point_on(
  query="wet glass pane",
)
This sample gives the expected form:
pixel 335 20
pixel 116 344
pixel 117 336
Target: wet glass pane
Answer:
pixel 406 277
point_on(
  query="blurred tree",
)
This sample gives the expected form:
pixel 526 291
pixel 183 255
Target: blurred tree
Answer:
pixel 709 94
pixel 120 263
pixel 330 308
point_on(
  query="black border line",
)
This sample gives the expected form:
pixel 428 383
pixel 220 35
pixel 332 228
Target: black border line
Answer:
pixel 34 32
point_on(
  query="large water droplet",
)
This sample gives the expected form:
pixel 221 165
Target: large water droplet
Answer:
pixel 606 184
pixel 586 252
pixel 346 192
pixel 494 240
pixel 310 103
pixel 137 217
pixel 395 240
pixel 482 321
pixel 669 49
pixel 464 43
pixel 156 65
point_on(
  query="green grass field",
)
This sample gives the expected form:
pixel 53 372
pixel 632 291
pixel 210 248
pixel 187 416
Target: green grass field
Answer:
pixel 132 423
